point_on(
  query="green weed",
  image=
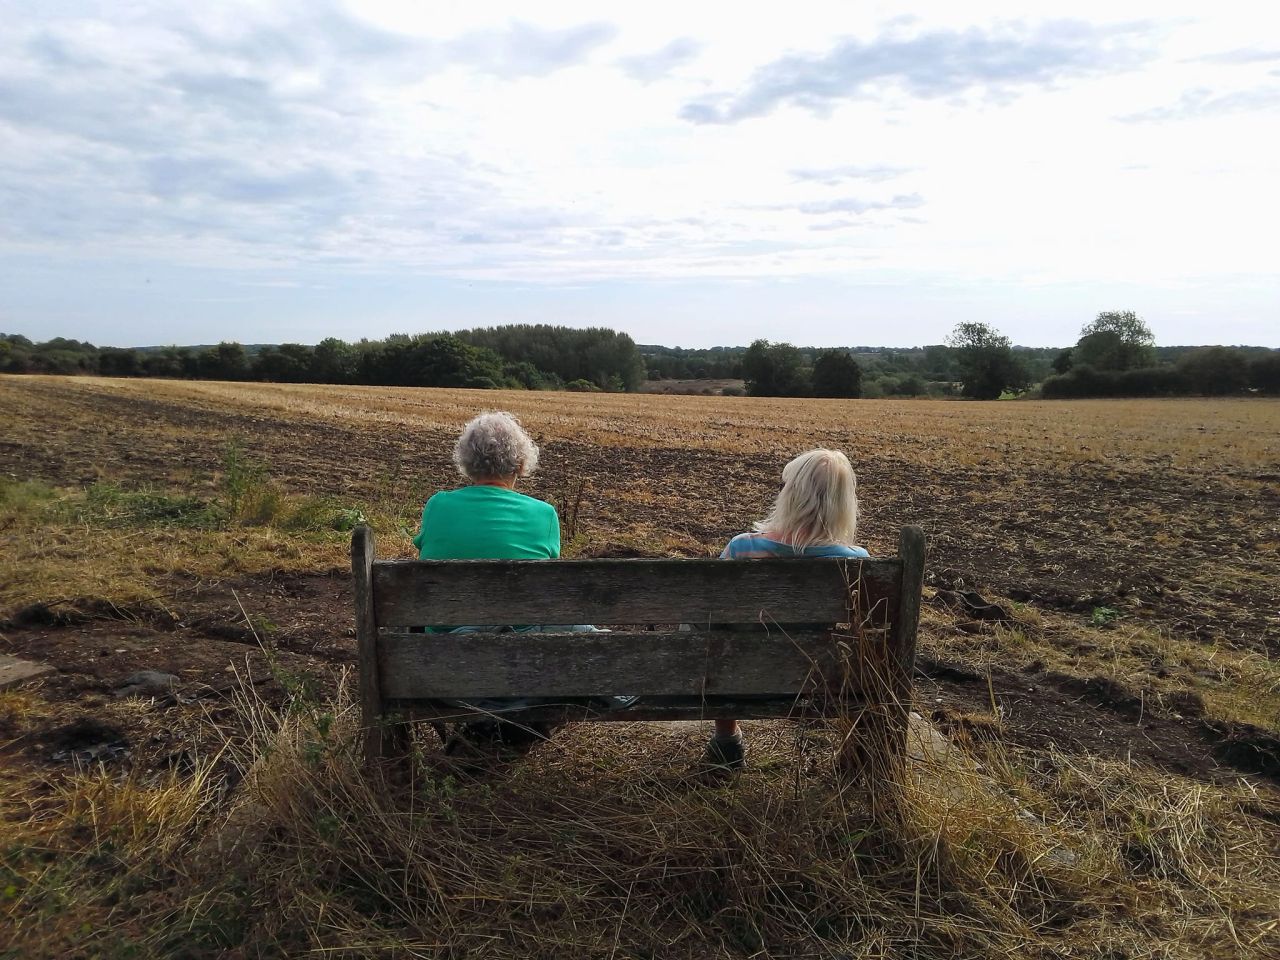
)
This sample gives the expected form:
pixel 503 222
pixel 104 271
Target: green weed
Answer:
pixel 1103 615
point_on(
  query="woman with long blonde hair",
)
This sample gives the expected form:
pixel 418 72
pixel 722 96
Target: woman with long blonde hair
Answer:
pixel 815 515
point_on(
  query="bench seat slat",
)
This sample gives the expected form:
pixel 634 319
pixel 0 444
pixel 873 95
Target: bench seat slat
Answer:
pixel 418 593
pixel 474 665
pixel 648 708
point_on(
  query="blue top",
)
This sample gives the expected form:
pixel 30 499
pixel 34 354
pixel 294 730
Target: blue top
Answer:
pixel 756 546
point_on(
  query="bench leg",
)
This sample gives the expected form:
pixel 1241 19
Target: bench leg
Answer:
pixel 386 739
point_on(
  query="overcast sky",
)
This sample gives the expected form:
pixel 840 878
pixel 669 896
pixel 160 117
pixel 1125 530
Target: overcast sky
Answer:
pixel 693 173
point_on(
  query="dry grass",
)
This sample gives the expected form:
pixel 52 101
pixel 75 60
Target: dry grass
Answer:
pixel 604 844
pixel 69 548
pixel 1226 682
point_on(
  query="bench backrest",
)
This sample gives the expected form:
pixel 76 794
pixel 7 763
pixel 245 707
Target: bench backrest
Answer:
pixel 761 628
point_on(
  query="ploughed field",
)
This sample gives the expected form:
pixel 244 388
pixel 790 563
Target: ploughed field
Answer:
pixel 1103 581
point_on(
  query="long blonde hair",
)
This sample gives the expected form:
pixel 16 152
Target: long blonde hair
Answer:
pixel 818 502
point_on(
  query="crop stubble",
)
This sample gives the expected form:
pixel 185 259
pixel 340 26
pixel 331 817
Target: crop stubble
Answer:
pixel 1163 513
pixel 1165 510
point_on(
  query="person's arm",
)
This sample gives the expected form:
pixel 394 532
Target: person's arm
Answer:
pixel 420 540
pixel 553 535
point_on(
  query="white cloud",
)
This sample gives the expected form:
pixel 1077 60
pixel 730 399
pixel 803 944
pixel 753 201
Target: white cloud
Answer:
pixel 648 67
pixel 998 62
pixel 964 145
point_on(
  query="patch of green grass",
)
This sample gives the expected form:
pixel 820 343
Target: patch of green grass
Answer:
pixel 18 497
pixel 108 505
pixel 322 515
pixel 104 505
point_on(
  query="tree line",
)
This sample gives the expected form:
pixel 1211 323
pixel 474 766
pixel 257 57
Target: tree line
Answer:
pixel 528 356
pixel 1115 356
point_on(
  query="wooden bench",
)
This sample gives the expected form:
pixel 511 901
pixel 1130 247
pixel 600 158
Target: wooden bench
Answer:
pixel 771 638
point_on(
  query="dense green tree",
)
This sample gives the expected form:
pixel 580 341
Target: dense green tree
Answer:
pixel 1216 371
pixel 526 375
pixel 287 363
pixel 227 361
pixel 836 374
pixel 1264 372
pixel 167 362
pixel 1103 350
pixel 1115 340
pixel 1063 362
pixel 607 358
pixel 774 370
pixel 986 362
pixel 448 362
pixel 333 361
pixel 115 362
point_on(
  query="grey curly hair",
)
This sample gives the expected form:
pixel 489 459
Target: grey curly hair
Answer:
pixel 495 445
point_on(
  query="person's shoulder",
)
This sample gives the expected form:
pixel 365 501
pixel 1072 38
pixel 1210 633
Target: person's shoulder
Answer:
pixel 743 545
pixel 840 550
pixel 534 504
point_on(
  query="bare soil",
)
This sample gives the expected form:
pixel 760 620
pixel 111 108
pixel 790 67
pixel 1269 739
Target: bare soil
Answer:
pixel 1189 551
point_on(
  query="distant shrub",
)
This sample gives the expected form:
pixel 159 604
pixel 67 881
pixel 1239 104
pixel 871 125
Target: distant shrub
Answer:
pixel 836 374
pixel 733 391
pixel 1264 372
pixel 582 386
pixel 1085 381
pixel 1216 371
pixel 263 506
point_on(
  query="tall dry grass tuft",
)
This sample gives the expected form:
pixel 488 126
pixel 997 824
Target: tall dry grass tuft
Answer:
pixel 85 859
pixel 606 843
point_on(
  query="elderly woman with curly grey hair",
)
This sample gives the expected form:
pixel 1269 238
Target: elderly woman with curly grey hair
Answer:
pixel 488 519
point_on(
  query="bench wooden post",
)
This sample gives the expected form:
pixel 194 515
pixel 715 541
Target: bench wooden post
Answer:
pixel 911 550
pixel 372 722
pixel 874 748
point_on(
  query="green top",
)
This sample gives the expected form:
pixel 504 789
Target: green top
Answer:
pixel 487 523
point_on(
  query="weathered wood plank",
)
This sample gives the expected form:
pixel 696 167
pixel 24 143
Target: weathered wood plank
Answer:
pixel 362 555
pixel 885 676
pixel 911 551
pixel 472 665
pixel 416 593
pixel 649 708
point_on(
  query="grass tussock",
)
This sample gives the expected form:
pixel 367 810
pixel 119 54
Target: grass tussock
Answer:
pixel 108 542
pixel 84 861
pixel 606 843
pixel 1219 680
